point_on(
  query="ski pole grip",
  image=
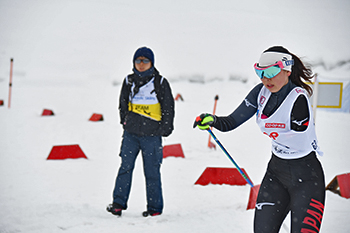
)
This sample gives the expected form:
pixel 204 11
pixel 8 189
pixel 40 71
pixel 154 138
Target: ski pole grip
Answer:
pixel 197 121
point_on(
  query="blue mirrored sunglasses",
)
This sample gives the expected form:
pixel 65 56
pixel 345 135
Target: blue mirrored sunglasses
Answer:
pixel 272 70
pixel 269 71
pixel 145 61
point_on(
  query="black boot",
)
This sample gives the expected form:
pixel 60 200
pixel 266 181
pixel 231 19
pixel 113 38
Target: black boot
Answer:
pixel 150 213
pixel 115 209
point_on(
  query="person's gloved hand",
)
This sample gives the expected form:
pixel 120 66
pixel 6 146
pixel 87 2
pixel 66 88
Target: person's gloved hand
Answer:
pixel 204 121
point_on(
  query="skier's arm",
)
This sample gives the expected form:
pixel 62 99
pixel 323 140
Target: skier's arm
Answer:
pixel 299 119
pixel 241 114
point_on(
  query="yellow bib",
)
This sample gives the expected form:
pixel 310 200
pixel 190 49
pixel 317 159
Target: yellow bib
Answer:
pixel 145 102
pixel 152 111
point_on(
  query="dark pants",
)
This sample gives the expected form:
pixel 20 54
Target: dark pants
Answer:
pixel 295 186
pixel 152 156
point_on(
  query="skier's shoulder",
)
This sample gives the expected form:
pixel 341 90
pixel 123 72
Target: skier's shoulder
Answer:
pixel 254 92
pixel 257 88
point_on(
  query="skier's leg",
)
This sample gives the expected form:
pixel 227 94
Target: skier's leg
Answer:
pixel 272 205
pixel 307 196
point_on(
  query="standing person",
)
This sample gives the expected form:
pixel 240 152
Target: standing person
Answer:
pixel 146 108
pixel 294 180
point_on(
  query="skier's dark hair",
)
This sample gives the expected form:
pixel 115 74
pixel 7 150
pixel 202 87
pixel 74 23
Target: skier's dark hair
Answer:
pixel 299 70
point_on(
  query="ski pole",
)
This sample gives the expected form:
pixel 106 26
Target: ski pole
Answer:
pixel 210 145
pixel 229 156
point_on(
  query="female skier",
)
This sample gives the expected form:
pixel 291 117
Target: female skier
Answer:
pixel 294 180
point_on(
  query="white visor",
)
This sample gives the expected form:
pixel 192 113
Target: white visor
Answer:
pixel 270 58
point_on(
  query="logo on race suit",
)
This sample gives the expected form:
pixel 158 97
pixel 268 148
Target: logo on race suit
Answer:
pixel 299 90
pixel 314 217
pixel 275 125
pixel 262 100
pixel 272 135
pixel 260 205
pixel 299 123
pixel 247 103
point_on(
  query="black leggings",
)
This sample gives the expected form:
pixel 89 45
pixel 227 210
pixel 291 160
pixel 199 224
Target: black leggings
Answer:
pixel 295 185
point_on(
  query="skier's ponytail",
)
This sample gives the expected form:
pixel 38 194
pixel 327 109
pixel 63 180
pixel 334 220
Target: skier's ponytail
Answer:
pixel 300 72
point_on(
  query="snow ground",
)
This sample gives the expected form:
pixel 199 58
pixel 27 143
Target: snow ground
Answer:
pixel 70 195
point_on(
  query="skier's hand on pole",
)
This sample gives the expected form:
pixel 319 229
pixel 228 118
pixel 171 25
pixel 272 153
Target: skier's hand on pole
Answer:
pixel 204 121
